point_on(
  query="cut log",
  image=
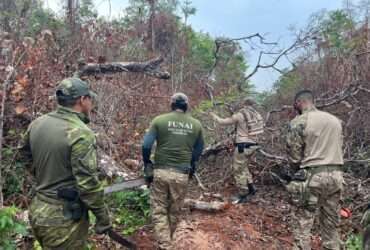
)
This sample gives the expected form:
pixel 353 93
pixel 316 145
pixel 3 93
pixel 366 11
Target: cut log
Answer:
pixel 213 206
pixel 110 168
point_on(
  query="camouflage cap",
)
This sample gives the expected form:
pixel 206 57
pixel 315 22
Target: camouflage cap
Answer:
pixel 73 88
pixel 179 97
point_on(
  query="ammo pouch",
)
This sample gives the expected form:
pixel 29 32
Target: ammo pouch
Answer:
pixel 73 208
pixel 243 145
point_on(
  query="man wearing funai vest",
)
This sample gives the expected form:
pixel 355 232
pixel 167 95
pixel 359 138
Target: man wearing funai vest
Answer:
pixel 179 141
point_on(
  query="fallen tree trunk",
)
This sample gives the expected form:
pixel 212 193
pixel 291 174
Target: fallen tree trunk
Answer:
pixel 150 68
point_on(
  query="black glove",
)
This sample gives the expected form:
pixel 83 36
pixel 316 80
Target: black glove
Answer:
pixel 148 172
pixel 241 147
pixel 286 174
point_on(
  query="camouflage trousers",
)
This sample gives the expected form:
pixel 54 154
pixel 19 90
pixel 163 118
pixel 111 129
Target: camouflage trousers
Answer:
pixel 167 196
pixel 240 168
pixel 53 231
pixel 366 225
pixel 317 197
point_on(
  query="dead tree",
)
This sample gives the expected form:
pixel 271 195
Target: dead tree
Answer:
pixel 8 79
pixel 151 23
pixel 150 68
pixel 255 42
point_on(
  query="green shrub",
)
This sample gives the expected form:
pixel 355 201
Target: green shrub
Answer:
pixel 131 209
pixel 354 242
pixel 9 227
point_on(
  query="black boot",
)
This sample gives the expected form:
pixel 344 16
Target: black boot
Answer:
pixel 243 198
pixel 252 189
pixel 239 198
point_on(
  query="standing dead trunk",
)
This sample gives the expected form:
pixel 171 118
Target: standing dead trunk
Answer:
pixel 71 15
pixel 8 78
pixel 7 13
pixel 152 29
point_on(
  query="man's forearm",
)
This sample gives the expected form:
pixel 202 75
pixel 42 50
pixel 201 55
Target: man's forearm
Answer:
pixel 149 139
pixel 223 121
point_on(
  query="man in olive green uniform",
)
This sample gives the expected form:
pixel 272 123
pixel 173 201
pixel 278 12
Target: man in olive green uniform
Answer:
pixel 249 124
pixel 314 147
pixel 366 225
pixel 63 152
pixel 179 145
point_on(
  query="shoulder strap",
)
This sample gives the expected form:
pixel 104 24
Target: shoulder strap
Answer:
pixel 244 113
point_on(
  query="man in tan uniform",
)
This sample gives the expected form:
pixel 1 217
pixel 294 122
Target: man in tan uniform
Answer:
pixel 314 147
pixel 249 124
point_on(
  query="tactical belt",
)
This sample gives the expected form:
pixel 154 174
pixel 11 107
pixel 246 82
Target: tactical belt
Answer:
pixel 324 168
pixel 246 144
pixel 47 199
pixel 179 169
pixel 243 145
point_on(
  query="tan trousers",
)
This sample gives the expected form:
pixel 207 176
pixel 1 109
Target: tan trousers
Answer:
pixel 241 173
pixel 167 196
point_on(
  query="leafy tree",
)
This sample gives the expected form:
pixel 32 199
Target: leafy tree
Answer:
pixel 232 66
pixel 188 10
pixel 283 89
pixel 201 50
pixel 335 29
pixel 41 19
pixel 87 11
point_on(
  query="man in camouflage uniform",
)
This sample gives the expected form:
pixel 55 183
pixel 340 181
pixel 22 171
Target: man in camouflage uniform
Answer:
pixel 179 145
pixel 314 146
pixel 366 225
pixel 249 124
pixel 63 153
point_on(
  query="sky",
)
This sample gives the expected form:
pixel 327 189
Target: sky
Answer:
pixel 238 18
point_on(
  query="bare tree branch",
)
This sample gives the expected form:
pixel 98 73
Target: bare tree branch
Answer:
pixel 275 61
pixel 247 38
pixel 223 42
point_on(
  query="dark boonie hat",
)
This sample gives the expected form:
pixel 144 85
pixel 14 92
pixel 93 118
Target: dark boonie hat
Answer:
pixel 72 88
